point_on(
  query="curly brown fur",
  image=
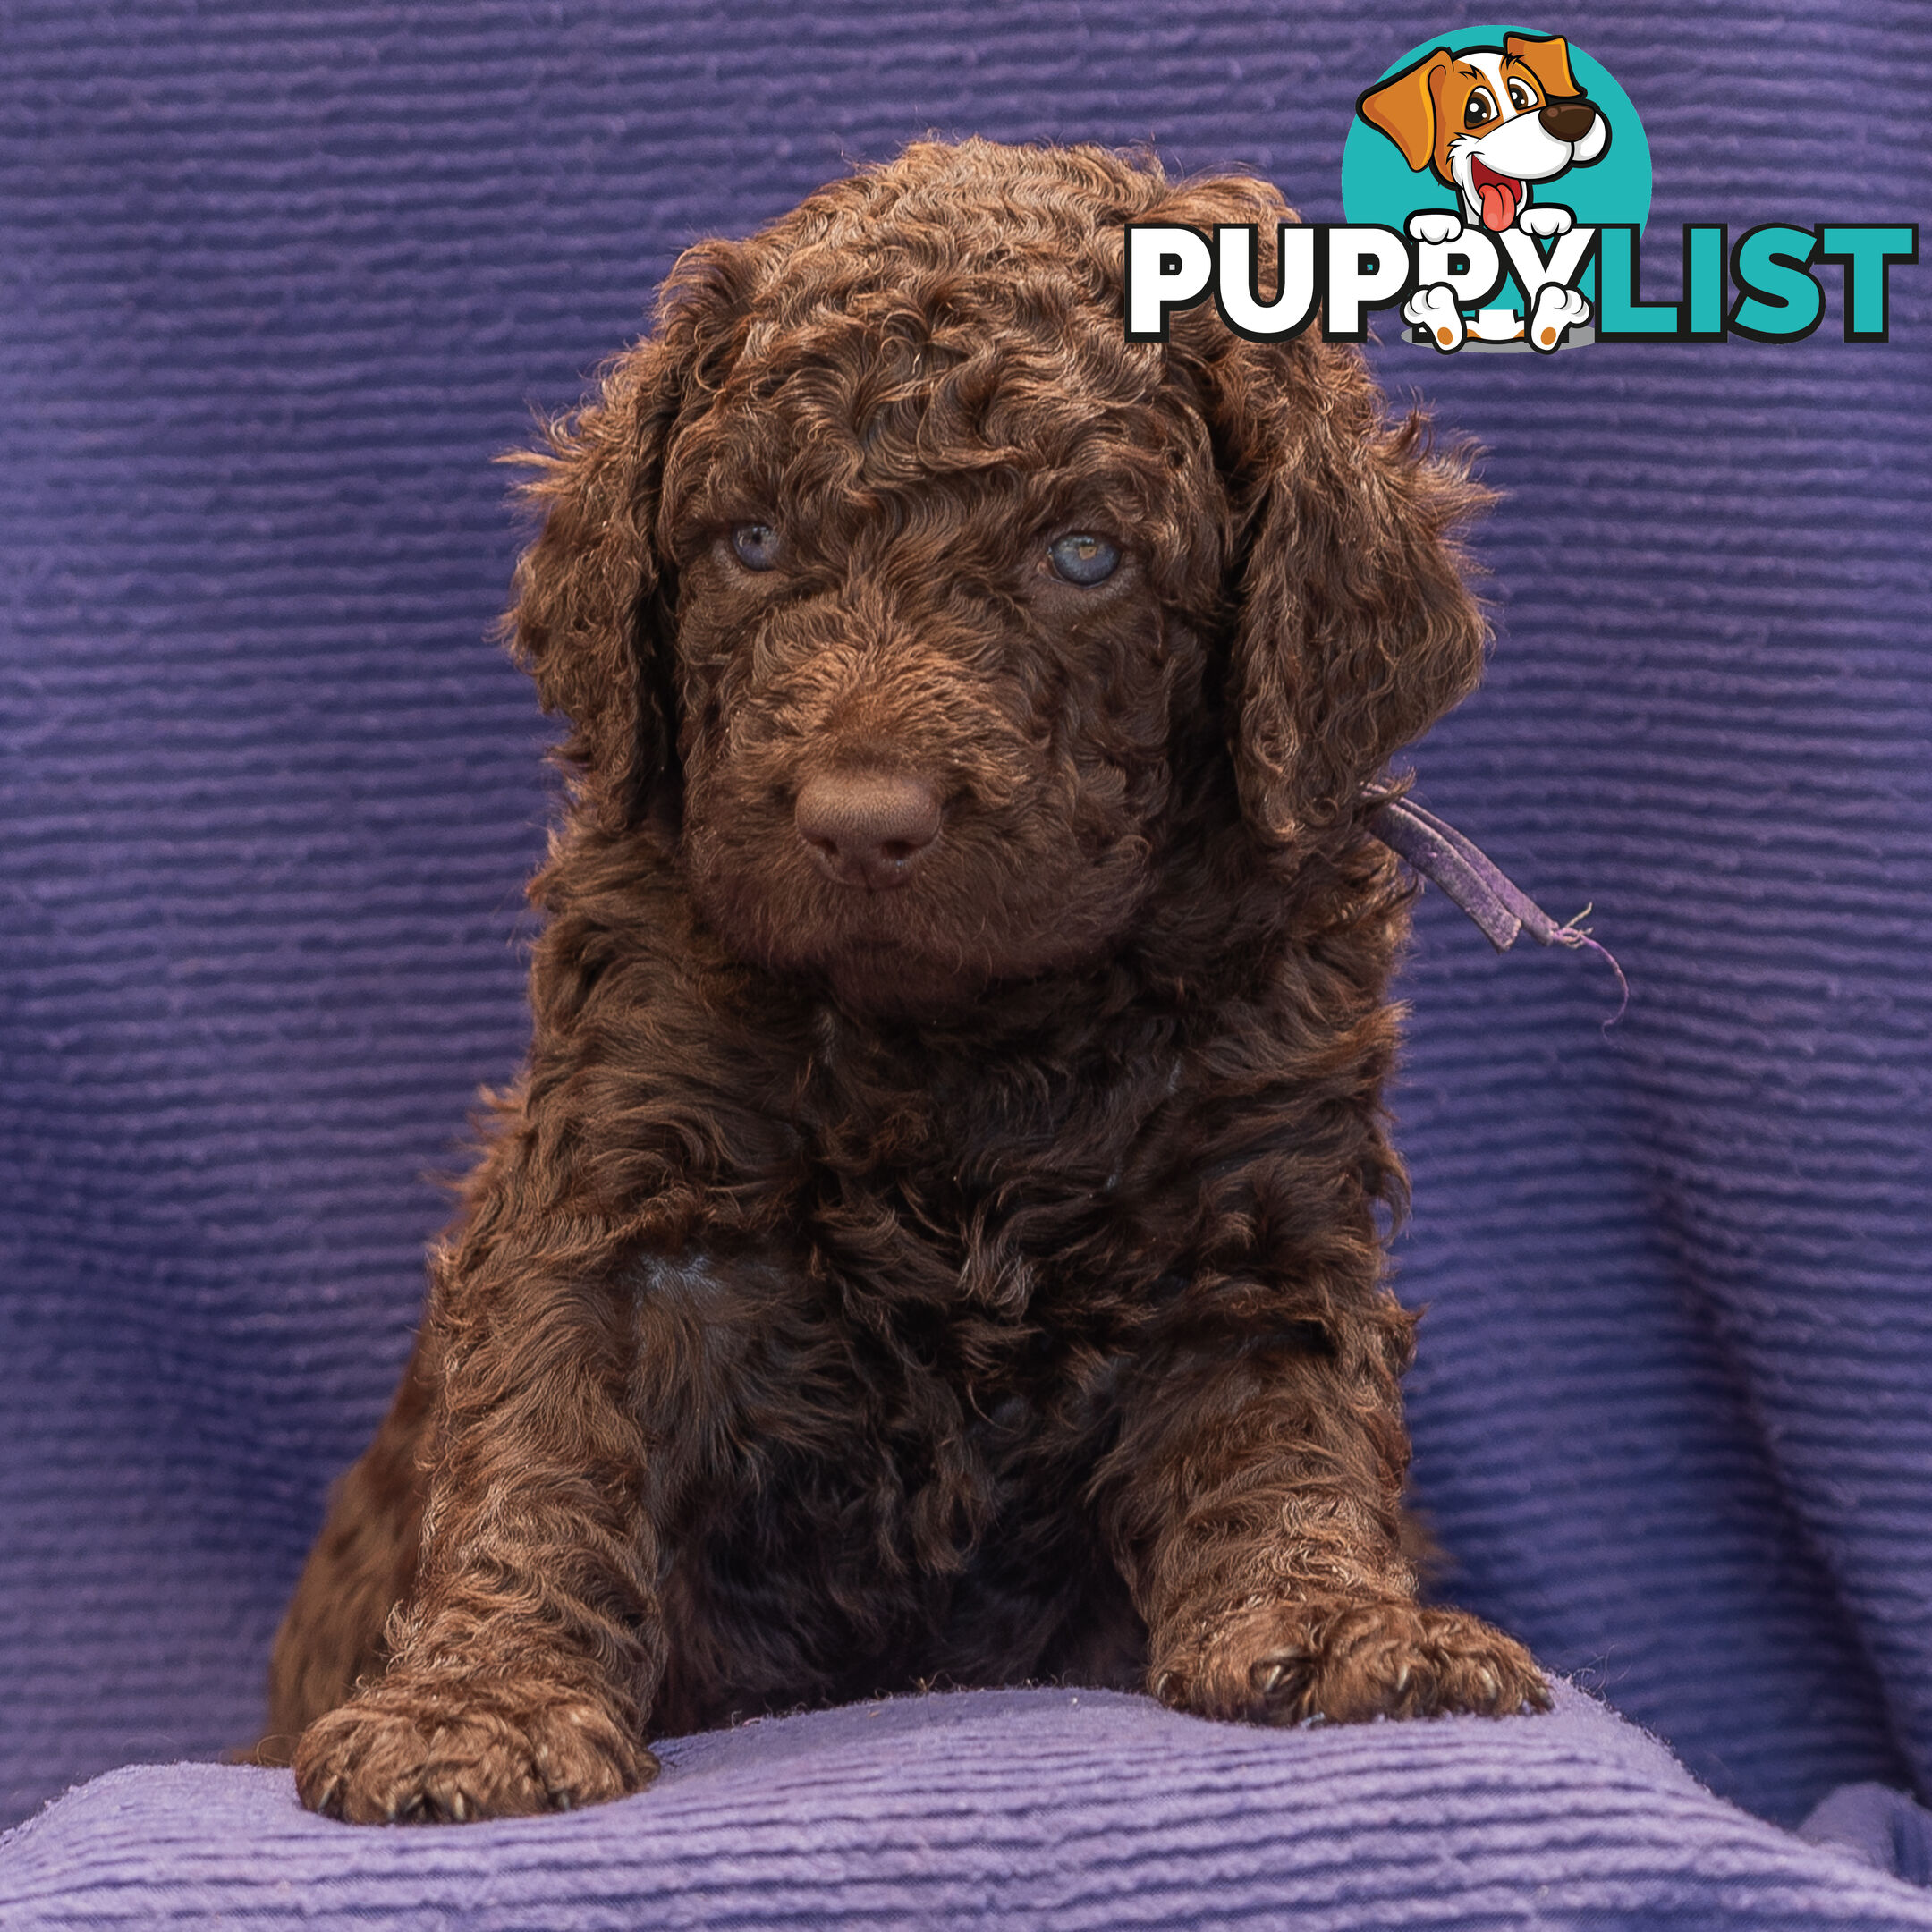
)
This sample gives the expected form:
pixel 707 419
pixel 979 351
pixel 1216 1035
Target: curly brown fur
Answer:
pixel 967 1269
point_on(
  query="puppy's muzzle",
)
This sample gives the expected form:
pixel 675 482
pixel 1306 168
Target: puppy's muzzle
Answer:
pixel 867 828
pixel 1568 120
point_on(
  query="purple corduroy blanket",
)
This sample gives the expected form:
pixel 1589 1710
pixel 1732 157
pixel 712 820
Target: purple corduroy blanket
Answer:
pixel 277 282
pixel 1032 1809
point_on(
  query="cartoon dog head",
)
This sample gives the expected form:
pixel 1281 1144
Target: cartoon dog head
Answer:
pixel 1490 122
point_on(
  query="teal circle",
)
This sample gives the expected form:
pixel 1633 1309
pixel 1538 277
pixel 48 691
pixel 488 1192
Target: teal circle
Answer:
pixel 1378 186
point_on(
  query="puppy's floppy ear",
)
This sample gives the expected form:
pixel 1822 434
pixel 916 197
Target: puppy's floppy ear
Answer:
pixel 1354 629
pixel 1547 57
pixel 1404 107
pixel 591 619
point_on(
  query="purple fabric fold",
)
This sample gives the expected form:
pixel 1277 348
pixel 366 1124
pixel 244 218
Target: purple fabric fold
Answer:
pixel 1885 1827
pixel 1040 1811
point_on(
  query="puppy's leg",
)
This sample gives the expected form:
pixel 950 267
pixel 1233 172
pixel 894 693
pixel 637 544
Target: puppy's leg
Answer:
pixel 359 1570
pixel 524 1663
pixel 1257 1521
pixel 1435 309
pixel 1557 310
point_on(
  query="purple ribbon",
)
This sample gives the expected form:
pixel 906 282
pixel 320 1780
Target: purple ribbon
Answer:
pixel 1466 874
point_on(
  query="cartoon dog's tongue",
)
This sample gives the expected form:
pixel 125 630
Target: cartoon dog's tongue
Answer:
pixel 1498 195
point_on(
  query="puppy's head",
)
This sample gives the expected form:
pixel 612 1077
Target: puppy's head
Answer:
pixel 918 607
pixel 1491 121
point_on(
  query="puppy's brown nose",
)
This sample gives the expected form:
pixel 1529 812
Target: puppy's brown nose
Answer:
pixel 1568 120
pixel 868 827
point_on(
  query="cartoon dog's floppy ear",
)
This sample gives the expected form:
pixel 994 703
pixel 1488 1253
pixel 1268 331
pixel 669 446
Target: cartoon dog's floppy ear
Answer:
pixel 1354 629
pixel 593 595
pixel 1547 57
pixel 1403 108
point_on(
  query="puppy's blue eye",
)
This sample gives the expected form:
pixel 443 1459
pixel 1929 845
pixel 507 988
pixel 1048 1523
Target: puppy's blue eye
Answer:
pixel 1083 559
pixel 756 545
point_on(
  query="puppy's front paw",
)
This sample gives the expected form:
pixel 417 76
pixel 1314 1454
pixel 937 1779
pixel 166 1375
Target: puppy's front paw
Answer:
pixel 405 1752
pixel 1550 219
pixel 1435 224
pixel 1435 309
pixel 1557 309
pixel 1349 1662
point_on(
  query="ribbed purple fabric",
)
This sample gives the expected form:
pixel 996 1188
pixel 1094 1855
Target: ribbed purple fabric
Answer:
pixel 1073 1811
pixel 276 282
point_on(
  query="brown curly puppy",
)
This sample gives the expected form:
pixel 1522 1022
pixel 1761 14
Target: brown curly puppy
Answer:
pixel 938 1235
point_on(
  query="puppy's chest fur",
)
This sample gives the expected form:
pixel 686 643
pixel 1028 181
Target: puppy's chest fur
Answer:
pixel 903 1402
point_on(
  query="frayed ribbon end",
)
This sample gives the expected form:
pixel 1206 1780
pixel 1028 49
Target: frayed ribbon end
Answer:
pixel 1497 905
pixel 1573 936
